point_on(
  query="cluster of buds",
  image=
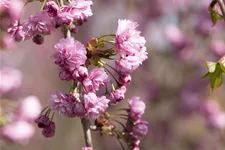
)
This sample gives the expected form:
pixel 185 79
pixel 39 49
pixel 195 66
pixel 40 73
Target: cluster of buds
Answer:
pixel 16 117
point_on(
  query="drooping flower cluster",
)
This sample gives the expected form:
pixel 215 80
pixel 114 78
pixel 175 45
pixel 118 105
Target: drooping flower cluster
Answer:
pixel 135 126
pixel 130 46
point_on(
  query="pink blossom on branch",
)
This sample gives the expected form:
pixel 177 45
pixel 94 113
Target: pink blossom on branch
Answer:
pixel 95 105
pixel 141 128
pixel 128 40
pixel 137 109
pixel 69 54
pixel 61 103
pixel 79 9
pixel 41 23
pixel 95 79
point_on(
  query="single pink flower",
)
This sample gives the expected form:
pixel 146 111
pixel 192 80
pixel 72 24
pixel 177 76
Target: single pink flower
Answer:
pixel 95 105
pixel 95 79
pixel 79 9
pixel 128 40
pixel 16 32
pixel 10 80
pixel 65 75
pixel 80 73
pixel 117 95
pixel 62 104
pixel 127 65
pixel 30 108
pixel 19 131
pixel 137 109
pixel 69 54
pixel 64 18
pixel 141 128
pixel 41 23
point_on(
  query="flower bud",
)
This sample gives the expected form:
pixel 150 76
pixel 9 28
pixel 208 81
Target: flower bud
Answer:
pixel 38 39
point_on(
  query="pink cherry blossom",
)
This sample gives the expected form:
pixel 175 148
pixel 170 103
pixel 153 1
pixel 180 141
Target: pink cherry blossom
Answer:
pixel 128 64
pixel 16 32
pixel 141 128
pixel 80 73
pixel 137 108
pixel 41 23
pixel 217 121
pixel 62 104
pixel 117 95
pixel 95 105
pixel 69 54
pixel 18 131
pixel 65 75
pixel 95 79
pixel 64 18
pixel 30 108
pixel 79 9
pixel 10 80
pixel 52 8
pixel 128 40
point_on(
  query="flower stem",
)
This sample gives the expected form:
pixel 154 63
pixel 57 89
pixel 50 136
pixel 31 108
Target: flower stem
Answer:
pixel 85 122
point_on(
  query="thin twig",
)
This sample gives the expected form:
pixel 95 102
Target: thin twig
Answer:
pixel 222 7
pixel 85 122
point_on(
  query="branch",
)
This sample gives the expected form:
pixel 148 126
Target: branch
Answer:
pixel 85 122
pixel 87 132
pixel 222 7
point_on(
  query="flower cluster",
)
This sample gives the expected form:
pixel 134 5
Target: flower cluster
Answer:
pixel 16 122
pixel 135 126
pixel 52 16
pixel 96 83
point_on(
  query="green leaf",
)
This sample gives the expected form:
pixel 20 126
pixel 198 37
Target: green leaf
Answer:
pixel 222 66
pixel 215 16
pixel 215 71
